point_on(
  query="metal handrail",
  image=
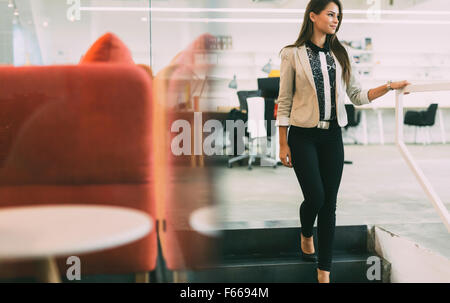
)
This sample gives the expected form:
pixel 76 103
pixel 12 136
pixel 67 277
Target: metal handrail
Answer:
pixel 426 185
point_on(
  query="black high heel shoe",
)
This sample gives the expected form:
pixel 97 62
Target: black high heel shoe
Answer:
pixel 308 257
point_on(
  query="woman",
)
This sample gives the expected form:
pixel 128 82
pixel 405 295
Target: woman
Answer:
pixel 315 75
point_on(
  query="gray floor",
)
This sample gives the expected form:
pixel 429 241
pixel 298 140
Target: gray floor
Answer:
pixel 378 189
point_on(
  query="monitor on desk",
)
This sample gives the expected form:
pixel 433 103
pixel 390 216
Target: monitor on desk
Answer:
pixel 269 87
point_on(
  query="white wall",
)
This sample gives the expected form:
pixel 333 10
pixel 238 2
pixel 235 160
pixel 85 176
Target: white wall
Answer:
pixel 64 42
pixel 411 263
pixel 61 41
pixel 6 42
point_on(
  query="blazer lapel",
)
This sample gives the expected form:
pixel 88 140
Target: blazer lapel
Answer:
pixel 302 54
pixel 338 71
pixel 340 102
pixel 304 61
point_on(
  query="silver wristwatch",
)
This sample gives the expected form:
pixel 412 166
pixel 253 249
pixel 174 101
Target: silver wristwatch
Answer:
pixel 389 85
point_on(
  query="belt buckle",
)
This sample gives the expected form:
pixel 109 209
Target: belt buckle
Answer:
pixel 323 125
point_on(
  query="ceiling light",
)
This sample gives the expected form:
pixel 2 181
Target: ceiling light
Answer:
pixel 249 10
pixel 295 21
pixel 10 4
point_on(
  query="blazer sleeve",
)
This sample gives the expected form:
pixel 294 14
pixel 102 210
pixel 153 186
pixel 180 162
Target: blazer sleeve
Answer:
pixel 355 92
pixel 286 93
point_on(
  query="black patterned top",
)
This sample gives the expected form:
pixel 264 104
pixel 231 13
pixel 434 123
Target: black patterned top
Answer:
pixel 324 72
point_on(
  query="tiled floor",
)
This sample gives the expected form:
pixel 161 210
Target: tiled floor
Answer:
pixel 378 188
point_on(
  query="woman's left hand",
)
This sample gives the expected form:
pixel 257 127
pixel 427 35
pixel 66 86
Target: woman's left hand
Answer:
pixel 400 85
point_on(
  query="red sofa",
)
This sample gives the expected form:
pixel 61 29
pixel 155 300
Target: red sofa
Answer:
pixel 79 135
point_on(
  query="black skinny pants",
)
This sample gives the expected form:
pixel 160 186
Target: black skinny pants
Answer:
pixel 318 160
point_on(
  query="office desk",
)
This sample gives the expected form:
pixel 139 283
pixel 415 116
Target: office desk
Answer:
pixel 378 110
pixel 42 233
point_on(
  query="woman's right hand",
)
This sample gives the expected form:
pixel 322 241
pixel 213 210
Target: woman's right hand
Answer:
pixel 285 155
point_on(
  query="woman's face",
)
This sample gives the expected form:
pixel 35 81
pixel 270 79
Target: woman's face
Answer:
pixel 327 21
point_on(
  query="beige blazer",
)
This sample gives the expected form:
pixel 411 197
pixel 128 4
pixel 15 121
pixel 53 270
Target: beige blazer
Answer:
pixel 301 108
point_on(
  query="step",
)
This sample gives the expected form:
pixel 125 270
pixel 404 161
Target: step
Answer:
pixel 286 241
pixel 289 269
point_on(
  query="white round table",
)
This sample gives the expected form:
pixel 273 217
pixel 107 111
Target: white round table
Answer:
pixel 45 232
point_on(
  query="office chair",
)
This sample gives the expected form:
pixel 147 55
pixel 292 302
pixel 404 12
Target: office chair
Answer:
pixel 420 119
pixel 251 102
pixel 239 115
pixel 353 120
pixel 258 132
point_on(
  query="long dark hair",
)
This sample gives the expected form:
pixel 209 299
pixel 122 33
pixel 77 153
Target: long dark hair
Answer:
pixel 306 32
